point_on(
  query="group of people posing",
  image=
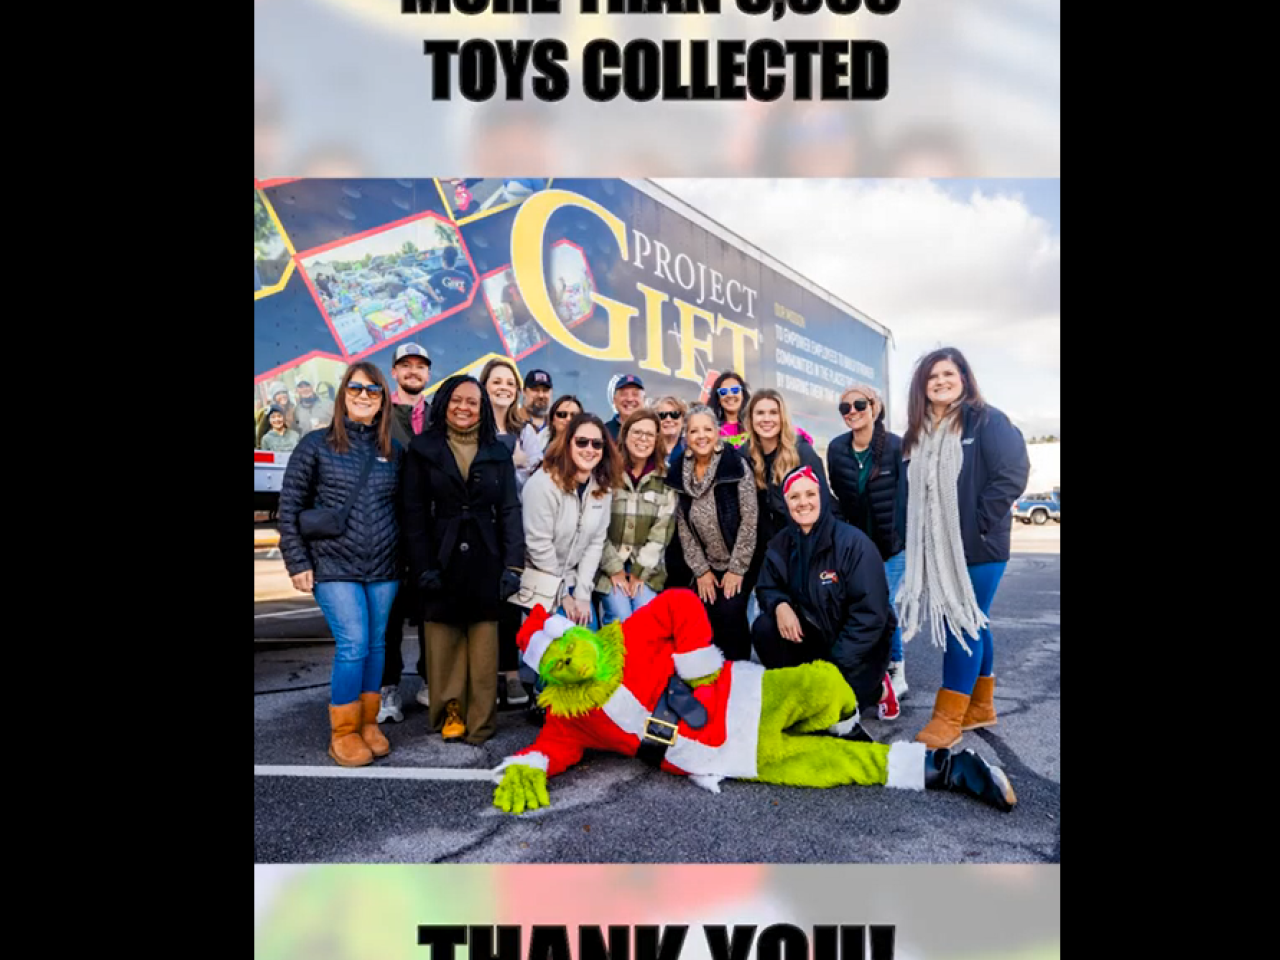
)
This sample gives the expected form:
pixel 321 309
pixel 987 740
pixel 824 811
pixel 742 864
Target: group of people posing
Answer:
pixel 441 512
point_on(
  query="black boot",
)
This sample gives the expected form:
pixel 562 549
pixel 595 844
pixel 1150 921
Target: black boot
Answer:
pixel 965 772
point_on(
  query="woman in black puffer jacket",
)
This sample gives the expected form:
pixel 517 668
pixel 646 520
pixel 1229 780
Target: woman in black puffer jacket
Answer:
pixel 355 575
pixel 869 481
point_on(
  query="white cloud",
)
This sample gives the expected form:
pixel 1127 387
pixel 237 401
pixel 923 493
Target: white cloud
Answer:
pixel 980 273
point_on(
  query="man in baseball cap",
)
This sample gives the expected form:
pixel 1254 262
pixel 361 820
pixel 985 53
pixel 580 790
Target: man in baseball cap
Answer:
pixel 313 412
pixel 535 435
pixel 628 397
pixel 411 410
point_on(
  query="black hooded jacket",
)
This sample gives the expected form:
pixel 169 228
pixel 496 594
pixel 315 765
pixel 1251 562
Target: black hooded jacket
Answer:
pixel 842 590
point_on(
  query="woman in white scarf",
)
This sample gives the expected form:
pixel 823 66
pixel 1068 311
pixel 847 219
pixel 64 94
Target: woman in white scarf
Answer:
pixel 967 465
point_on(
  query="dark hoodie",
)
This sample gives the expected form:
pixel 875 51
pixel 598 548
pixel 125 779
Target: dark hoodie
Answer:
pixel 834 577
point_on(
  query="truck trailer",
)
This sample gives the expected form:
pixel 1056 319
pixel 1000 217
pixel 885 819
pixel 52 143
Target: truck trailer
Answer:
pixel 587 279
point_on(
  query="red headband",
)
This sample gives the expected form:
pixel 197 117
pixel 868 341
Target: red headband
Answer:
pixel 802 472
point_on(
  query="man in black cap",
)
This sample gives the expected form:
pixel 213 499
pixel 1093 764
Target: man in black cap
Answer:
pixel 534 436
pixel 411 370
pixel 313 412
pixel 628 397
pixel 450 285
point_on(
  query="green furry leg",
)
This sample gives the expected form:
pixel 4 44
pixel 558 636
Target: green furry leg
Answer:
pixel 804 700
pixel 817 761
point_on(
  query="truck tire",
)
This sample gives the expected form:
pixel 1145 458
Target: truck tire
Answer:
pixel 1039 516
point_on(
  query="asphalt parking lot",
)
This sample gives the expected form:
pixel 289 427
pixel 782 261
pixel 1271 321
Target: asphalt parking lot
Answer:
pixel 432 802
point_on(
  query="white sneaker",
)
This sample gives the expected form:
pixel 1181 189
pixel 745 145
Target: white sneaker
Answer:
pixel 423 696
pixel 390 705
pixel 516 695
pixel 898 678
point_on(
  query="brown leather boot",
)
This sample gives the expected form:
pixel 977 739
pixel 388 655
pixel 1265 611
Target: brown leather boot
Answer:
pixel 943 731
pixel 345 745
pixel 454 728
pixel 374 739
pixel 982 708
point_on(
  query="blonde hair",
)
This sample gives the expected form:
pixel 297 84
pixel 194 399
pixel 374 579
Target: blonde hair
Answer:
pixel 788 457
pixel 516 417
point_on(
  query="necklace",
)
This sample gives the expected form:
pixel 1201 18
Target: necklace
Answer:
pixel 862 458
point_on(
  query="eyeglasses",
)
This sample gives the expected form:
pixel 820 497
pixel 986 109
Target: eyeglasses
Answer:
pixel 644 435
pixel 355 389
pixel 669 414
pixel 583 442
pixel 858 405
pixel 729 391
pixel 563 414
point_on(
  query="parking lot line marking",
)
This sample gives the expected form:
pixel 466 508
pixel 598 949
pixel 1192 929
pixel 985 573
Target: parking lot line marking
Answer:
pixel 286 613
pixel 374 773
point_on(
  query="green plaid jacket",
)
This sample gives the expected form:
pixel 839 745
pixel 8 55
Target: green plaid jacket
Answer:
pixel 640 527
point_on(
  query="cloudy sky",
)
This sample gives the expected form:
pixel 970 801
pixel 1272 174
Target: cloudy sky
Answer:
pixel 974 264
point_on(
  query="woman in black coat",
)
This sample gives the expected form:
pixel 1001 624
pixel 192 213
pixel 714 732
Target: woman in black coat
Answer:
pixel 465 542
pixel 870 485
pixel 823 595
pixel 355 575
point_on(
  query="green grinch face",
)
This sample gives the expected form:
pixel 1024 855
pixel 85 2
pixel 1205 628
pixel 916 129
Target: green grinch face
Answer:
pixel 572 659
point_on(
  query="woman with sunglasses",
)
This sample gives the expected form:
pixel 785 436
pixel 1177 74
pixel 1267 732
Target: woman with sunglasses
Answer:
pixel 562 411
pixel 643 519
pixel 355 575
pixel 671 418
pixel 670 411
pixel 567 508
pixel 966 465
pixel 464 542
pixel 869 482
pixel 728 398
pixel 716 521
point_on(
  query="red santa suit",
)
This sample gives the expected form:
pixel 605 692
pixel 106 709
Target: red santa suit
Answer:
pixel 670 634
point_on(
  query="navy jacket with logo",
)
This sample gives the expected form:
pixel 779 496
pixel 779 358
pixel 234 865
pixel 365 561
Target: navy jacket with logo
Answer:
pixel 844 594
pixel 993 476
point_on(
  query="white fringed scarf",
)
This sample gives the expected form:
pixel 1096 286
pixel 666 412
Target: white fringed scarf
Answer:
pixel 936 578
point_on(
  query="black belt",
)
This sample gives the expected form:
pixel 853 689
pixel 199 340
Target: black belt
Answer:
pixel 676 703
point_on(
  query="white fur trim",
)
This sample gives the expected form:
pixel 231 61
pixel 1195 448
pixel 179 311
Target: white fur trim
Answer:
pixel 844 726
pixel 736 757
pixel 707 782
pixel 906 765
pixel 556 625
pixel 698 663
pixel 538 644
pixel 537 760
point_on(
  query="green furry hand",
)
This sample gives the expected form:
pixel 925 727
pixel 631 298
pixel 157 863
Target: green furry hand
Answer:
pixel 522 788
pixel 703 681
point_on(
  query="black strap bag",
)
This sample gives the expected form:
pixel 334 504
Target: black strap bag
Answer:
pixel 325 523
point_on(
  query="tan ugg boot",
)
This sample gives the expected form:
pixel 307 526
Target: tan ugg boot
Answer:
pixel 982 708
pixel 345 745
pixel 374 739
pixel 944 729
pixel 454 728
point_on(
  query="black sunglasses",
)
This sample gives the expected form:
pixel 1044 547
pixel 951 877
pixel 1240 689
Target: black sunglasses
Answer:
pixel 858 405
pixel 583 442
pixel 355 389
pixel 669 414
pixel 563 414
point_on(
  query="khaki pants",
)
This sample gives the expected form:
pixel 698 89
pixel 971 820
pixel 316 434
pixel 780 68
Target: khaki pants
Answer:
pixel 462 665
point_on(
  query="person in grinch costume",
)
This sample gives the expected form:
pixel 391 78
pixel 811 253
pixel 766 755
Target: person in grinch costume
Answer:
pixel 657 688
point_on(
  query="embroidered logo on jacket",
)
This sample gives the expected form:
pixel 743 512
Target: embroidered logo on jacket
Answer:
pixel 829 576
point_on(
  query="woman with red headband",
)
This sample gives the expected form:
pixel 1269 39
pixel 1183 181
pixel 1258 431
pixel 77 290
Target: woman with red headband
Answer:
pixel 823 596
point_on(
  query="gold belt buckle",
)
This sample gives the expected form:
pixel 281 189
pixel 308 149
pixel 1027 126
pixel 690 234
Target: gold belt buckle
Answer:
pixel 650 736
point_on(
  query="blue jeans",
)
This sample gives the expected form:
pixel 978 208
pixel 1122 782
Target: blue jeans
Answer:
pixel 894 568
pixel 960 670
pixel 357 616
pixel 617 606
